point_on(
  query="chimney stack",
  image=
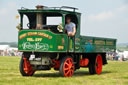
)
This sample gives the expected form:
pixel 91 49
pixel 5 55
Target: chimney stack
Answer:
pixel 39 17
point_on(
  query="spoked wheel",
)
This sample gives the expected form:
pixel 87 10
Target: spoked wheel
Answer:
pixel 67 67
pixel 95 67
pixel 25 67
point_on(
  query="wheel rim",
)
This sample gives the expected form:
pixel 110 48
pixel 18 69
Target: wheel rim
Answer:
pixel 98 64
pixel 27 67
pixel 68 67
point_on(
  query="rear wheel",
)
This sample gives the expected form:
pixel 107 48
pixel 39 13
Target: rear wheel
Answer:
pixel 92 68
pixel 25 67
pixel 98 64
pixel 67 67
pixel 95 67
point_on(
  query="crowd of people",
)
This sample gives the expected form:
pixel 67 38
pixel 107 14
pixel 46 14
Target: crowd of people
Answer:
pixel 117 56
pixel 10 53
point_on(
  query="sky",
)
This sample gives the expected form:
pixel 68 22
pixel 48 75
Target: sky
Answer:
pixel 100 18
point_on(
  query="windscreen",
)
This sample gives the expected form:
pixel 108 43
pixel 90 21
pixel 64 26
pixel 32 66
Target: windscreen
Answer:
pixel 54 20
pixel 50 21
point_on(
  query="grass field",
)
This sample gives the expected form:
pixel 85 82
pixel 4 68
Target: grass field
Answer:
pixel 115 73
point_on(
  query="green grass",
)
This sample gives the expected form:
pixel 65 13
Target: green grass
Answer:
pixel 115 73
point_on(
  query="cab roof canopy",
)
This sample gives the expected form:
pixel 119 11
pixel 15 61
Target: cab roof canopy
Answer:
pixel 63 10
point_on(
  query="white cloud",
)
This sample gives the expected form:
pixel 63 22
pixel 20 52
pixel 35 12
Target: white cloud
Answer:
pixel 122 8
pixel 107 14
pixel 101 16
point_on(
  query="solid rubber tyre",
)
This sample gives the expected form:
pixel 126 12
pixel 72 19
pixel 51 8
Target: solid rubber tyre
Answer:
pixel 95 67
pixel 67 67
pixel 92 69
pixel 21 68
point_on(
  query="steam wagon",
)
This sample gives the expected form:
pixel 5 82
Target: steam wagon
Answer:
pixel 45 44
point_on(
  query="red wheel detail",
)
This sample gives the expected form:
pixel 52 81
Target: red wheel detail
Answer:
pixel 98 64
pixel 68 67
pixel 27 67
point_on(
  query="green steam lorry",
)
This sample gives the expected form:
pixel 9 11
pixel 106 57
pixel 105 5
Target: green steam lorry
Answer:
pixel 45 45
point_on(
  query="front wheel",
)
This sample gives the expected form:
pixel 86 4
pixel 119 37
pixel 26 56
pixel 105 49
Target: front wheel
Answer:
pixel 67 67
pixel 25 67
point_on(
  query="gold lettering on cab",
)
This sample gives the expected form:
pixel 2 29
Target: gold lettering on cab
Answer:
pixel 36 39
pixel 34 34
pixel 22 36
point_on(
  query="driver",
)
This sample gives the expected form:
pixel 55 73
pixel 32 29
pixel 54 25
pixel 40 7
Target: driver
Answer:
pixel 70 27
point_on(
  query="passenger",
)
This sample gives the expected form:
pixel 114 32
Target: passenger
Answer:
pixel 70 27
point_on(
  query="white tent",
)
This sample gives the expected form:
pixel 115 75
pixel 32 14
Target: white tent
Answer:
pixel 4 47
pixel 12 48
pixel 125 53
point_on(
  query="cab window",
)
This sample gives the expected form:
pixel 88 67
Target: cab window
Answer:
pixel 26 21
pixel 54 20
pixel 50 21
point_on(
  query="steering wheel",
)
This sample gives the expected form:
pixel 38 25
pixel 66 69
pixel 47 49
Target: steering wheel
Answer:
pixel 60 28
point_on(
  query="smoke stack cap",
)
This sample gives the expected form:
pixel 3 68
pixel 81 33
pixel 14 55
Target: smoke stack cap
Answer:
pixel 39 6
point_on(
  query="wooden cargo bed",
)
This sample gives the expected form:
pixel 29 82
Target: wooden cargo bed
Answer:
pixel 97 44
